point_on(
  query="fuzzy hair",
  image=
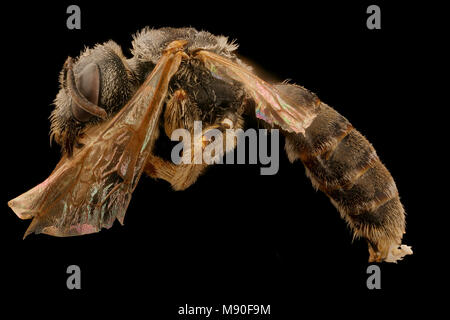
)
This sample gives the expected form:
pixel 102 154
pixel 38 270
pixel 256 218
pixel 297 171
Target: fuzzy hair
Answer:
pixel 117 86
pixel 148 44
pixel 341 162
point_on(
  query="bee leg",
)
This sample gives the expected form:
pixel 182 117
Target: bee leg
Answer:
pixel 179 176
pixel 177 116
pixel 183 175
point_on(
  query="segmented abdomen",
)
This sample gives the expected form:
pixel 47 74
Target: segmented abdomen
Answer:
pixel 343 164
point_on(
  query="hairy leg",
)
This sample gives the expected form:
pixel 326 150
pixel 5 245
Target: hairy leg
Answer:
pixel 179 176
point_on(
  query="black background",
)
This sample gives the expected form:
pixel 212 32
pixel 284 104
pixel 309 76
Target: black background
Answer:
pixel 235 236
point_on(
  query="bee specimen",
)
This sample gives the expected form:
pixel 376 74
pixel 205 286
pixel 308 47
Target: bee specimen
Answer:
pixel 111 110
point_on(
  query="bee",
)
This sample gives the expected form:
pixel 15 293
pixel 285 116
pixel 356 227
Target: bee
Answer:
pixel 110 112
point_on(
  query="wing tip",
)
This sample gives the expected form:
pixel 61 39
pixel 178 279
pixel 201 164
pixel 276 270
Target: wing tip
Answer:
pixel 21 208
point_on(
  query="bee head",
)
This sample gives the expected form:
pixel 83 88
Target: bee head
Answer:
pixel 92 88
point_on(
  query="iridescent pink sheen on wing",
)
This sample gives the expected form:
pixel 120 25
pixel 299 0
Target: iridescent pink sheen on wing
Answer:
pixel 272 106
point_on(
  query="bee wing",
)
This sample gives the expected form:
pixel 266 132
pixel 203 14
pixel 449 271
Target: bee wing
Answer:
pixel 272 105
pixel 90 190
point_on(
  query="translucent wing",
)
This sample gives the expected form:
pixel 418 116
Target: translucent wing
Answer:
pixel 272 105
pixel 90 190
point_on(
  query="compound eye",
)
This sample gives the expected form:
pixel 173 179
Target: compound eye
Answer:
pixel 88 85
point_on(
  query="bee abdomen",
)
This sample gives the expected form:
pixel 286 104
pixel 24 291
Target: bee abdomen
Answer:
pixel 344 165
